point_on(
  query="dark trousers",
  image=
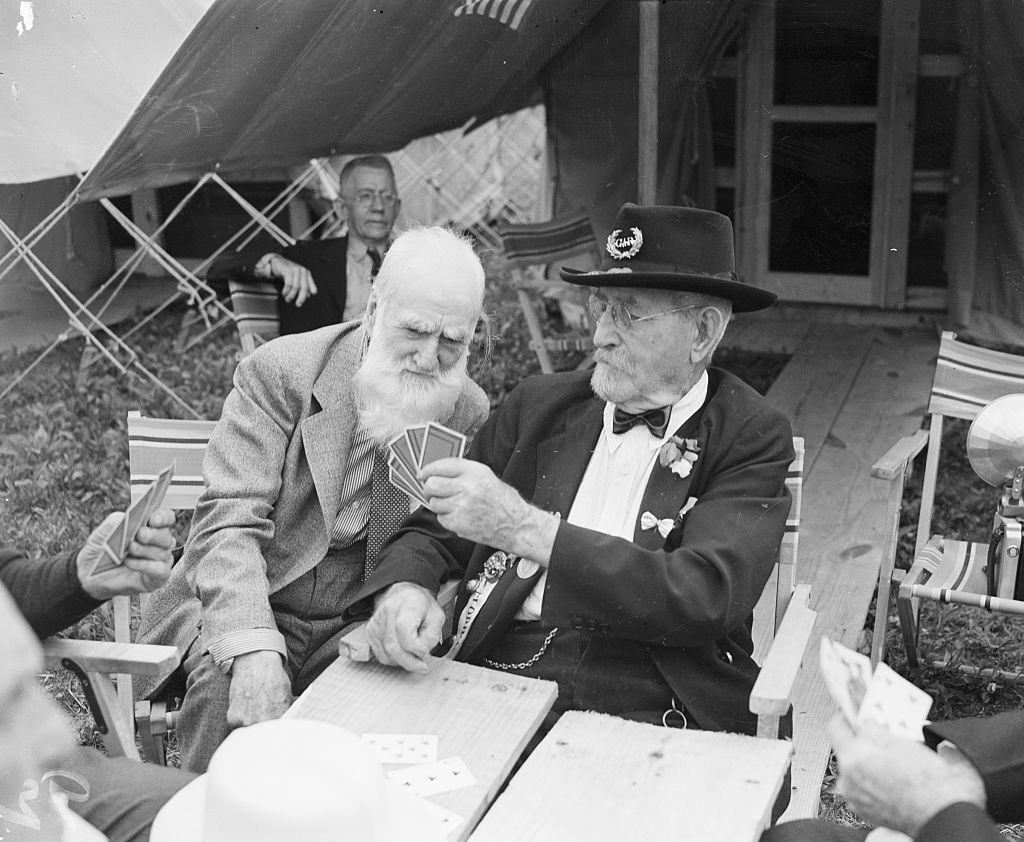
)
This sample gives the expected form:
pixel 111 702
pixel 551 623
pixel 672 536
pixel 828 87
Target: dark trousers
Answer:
pixel 307 613
pixel 593 672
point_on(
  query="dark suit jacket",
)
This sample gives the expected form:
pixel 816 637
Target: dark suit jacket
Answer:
pixel 687 598
pixel 46 590
pixel 326 261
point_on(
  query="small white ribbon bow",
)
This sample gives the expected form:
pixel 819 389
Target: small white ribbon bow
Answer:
pixel 649 521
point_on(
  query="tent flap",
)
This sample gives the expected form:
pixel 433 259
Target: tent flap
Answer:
pixel 267 85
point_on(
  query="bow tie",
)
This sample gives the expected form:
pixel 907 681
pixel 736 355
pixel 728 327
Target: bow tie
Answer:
pixel 656 420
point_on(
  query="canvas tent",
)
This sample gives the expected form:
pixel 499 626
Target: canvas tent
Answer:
pixel 271 85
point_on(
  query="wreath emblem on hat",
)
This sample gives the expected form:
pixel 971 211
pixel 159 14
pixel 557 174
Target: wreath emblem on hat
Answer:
pixel 620 247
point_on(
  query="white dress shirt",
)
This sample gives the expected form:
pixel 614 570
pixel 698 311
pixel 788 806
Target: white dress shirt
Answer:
pixel 612 489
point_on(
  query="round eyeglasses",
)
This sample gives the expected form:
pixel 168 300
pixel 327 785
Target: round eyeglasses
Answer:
pixel 621 317
pixel 364 198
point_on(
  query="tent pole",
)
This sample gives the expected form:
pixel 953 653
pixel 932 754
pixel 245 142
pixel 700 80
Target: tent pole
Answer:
pixel 647 153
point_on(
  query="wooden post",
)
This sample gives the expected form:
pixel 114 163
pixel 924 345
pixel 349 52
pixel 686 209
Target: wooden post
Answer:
pixel 755 94
pixel 647 152
pixel 962 200
pixel 894 151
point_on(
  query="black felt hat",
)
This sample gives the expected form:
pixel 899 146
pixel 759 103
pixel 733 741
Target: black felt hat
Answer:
pixel 664 247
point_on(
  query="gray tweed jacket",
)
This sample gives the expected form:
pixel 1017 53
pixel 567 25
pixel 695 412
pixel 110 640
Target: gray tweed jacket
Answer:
pixel 273 474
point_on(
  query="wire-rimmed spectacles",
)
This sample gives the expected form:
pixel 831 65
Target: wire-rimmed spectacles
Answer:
pixel 621 317
pixel 364 198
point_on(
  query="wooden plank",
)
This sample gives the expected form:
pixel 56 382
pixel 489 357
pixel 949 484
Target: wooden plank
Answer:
pixel 597 777
pixel 824 114
pixel 774 686
pixel 754 98
pixel 814 384
pixel 894 149
pixel 844 526
pixel 104 656
pixel 485 717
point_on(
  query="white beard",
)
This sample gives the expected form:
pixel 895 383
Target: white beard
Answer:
pixel 389 399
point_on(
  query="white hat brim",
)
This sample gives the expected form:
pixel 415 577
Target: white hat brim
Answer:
pixel 181 818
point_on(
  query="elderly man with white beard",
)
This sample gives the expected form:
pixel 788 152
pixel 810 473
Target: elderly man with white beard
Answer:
pixel 297 501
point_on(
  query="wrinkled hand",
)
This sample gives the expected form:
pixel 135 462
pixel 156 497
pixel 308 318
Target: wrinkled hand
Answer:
pixel 407 623
pixel 474 504
pixel 147 562
pixel 899 783
pixel 260 689
pixel 297 280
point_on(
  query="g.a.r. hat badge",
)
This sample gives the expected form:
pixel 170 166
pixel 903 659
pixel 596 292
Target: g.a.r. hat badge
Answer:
pixel 620 247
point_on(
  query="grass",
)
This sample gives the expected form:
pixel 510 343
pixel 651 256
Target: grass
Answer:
pixel 64 466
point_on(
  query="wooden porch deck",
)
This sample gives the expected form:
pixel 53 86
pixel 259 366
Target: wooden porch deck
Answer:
pixel 850 391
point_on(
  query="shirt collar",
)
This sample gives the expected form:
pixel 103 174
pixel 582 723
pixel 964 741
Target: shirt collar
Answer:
pixel 682 410
pixel 357 248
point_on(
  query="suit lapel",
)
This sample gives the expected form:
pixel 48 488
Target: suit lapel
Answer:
pixel 327 434
pixel 666 492
pixel 562 459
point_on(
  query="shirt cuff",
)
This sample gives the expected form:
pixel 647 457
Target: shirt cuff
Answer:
pixel 229 646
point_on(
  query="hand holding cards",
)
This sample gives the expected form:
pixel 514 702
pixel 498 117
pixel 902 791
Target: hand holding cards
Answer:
pixel 882 698
pixel 419 446
pixel 117 544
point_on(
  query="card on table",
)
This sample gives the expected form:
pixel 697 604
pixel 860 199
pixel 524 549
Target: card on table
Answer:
pixel 433 778
pixel 448 820
pixel 403 748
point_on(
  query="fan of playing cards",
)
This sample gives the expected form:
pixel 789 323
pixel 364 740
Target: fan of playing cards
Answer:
pixel 416 447
pixel 135 517
pixel 883 698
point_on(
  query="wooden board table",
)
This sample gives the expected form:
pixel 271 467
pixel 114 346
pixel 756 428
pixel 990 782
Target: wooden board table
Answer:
pixel 604 779
pixel 483 716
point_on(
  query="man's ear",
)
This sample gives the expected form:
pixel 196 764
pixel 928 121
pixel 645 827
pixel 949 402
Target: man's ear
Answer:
pixel 708 328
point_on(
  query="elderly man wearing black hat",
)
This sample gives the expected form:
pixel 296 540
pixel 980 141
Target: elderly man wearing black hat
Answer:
pixel 614 529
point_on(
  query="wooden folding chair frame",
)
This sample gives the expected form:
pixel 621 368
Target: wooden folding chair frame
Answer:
pixel 529 249
pixel 967 378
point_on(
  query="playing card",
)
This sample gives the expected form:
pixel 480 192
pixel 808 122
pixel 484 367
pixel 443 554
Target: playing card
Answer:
pixel 847 675
pixel 414 490
pixel 139 512
pixel 397 467
pixel 403 748
pixel 447 820
pixel 400 449
pixel 440 443
pixel 433 778
pixel 894 704
pixel 415 436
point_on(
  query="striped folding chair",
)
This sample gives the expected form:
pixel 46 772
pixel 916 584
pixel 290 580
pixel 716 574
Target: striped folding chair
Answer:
pixel 256 317
pixel 529 249
pixel 153 444
pixel 967 378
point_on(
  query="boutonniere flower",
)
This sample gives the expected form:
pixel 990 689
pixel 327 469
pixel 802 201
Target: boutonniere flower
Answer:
pixel 666 525
pixel 678 455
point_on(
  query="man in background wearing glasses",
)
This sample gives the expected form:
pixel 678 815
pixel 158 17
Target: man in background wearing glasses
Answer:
pixel 325 282
pixel 613 529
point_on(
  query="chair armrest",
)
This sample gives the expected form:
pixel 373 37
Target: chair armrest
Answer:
pixel 894 462
pixel 105 657
pixel 354 642
pixel 774 686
